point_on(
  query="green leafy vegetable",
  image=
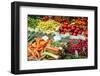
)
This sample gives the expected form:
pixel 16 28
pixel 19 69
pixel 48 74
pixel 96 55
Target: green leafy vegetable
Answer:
pixel 31 37
pixel 32 22
pixel 55 43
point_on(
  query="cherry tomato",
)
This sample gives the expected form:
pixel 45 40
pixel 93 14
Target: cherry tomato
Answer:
pixel 73 25
pixel 66 23
pixel 75 34
pixel 71 33
pixel 77 28
pixel 63 32
pixel 73 28
pixel 79 32
pixel 69 29
pixel 69 26
pixel 60 28
pixel 76 31
pixel 65 26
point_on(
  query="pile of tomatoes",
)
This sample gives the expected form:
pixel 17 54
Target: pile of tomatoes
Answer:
pixel 72 29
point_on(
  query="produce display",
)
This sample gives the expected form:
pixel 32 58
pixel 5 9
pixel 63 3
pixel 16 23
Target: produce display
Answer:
pixel 57 37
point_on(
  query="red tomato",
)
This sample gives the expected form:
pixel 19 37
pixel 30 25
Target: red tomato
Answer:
pixel 80 32
pixel 60 28
pixel 69 26
pixel 75 34
pixel 63 32
pixel 73 28
pixel 69 29
pixel 71 33
pixel 73 25
pixel 65 26
pixel 76 31
pixel 77 28
pixel 66 23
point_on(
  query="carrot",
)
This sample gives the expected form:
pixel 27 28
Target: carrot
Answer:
pixel 43 43
pixel 40 48
pixel 29 50
pixel 36 48
pixel 38 55
pixel 33 54
pixel 52 48
pixel 34 44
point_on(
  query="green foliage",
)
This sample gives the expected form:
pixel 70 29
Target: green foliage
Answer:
pixel 32 22
pixel 55 43
pixel 31 36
